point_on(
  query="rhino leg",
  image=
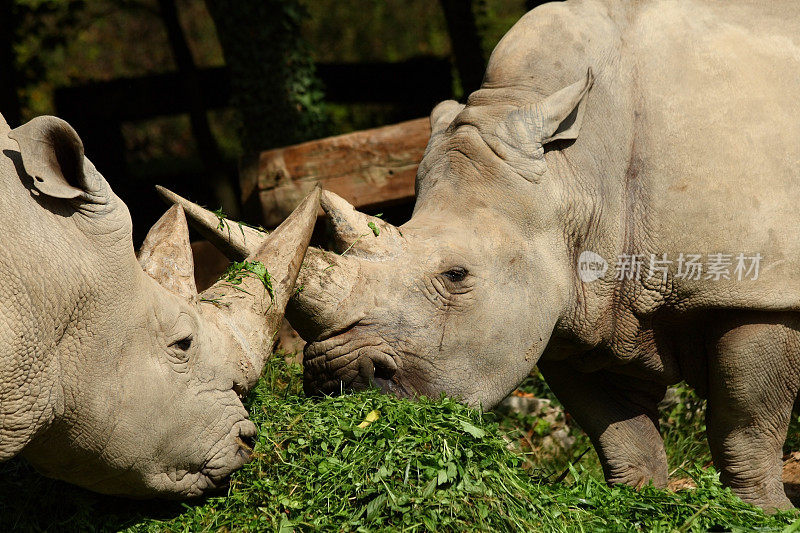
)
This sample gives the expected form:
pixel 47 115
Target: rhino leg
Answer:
pixel 620 416
pixel 754 372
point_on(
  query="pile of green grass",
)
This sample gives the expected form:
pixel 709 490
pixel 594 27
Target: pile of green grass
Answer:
pixel 366 461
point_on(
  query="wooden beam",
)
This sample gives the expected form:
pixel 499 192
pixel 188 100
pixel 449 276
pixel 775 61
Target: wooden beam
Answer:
pixel 369 168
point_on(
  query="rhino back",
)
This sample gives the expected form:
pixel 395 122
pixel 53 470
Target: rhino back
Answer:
pixel 716 150
pixel 691 140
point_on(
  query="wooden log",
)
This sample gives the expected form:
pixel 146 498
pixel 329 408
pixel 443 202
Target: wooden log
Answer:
pixel 369 168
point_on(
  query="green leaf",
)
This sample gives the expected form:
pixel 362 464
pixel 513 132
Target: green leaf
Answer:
pixel 476 432
pixel 452 472
pixel 429 488
pixel 286 525
pixel 220 214
pixel 374 228
pixel 238 270
pixel 291 504
pixel 376 506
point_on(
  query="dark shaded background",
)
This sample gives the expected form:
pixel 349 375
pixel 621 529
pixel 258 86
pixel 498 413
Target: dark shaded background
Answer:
pixel 179 92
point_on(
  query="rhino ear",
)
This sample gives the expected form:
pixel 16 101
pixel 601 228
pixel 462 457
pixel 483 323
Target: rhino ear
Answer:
pixel 443 114
pixel 166 254
pixel 562 112
pixel 526 129
pixel 52 154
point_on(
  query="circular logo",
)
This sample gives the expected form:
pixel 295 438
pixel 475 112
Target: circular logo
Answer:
pixel 591 266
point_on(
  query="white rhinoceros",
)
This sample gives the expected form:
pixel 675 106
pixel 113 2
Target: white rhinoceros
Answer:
pixel 606 135
pixel 113 379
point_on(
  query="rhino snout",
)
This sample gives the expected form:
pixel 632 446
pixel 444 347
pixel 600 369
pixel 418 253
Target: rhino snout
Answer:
pixel 350 362
pixel 235 450
pixel 228 455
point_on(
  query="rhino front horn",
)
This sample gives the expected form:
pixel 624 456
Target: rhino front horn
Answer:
pixel 358 234
pixel 251 298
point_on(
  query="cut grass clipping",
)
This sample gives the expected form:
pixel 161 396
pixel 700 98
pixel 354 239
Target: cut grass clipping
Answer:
pixel 366 461
pixel 238 270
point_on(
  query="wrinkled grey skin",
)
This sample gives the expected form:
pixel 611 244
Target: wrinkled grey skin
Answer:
pixel 116 375
pixel 615 127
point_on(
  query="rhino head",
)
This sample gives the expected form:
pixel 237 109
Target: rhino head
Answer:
pixel 463 298
pixel 124 379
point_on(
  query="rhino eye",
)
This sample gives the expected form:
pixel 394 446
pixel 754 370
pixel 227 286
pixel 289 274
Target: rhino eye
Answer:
pixel 455 274
pixel 183 344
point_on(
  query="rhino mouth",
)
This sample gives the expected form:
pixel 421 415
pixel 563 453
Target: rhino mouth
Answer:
pixel 350 361
pixel 235 451
pixel 394 388
pixel 230 454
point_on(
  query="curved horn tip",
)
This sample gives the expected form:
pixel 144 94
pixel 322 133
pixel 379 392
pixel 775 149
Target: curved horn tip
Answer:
pixel 164 193
pixel 300 221
pixel 330 201
pixel 281 253
pixel 170 197
pixel 285 248
pixel 236 241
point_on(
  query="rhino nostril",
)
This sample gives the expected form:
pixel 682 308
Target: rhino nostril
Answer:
pixel 246 445
pixel 240 389
pixel 384 369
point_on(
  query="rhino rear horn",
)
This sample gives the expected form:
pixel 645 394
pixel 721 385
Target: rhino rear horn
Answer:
pixel 358 234
pixel 166 254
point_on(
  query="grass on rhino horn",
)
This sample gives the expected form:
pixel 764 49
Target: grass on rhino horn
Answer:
pixel 366 462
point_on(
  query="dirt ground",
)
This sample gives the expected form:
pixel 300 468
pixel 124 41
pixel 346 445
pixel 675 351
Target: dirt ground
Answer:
pixel 791 477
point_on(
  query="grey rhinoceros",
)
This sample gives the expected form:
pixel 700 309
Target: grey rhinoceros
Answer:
pixel 618 203
pixel 116 375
